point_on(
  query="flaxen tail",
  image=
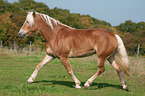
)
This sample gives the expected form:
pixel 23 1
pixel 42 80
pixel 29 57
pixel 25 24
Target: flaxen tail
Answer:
pixel 121 56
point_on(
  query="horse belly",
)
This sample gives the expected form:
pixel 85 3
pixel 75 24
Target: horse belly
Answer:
pixel 74 54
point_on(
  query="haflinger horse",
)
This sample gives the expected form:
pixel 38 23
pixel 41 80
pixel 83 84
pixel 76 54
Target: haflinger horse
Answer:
pixel 65 42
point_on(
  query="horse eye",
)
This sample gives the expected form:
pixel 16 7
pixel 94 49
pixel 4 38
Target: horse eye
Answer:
pixel 27 22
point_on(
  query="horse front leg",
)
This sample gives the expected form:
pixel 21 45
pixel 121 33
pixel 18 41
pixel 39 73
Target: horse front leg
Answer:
pixel 67 65
pixel 46 59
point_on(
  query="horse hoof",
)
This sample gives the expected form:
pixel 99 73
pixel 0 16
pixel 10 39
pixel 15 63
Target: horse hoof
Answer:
pixel 125 87
pixel 29 81
pixel 78 87
pixel 86 86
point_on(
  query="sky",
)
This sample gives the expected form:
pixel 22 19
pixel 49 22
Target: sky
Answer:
pixel 111 11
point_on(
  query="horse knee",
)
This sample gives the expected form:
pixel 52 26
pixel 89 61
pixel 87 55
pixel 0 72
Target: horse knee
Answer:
pixel 116 67
pixel 38 67
pixel 70 73
pixel 101 65
pixel 101 68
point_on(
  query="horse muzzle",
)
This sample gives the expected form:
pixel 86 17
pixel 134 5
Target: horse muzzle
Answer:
pixel 22 33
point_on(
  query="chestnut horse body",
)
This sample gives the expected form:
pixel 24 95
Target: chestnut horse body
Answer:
pixel 63 42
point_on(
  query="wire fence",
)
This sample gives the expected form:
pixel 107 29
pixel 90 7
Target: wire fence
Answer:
pixel 20 49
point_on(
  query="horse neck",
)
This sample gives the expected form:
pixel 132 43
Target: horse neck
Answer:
pixel 47 32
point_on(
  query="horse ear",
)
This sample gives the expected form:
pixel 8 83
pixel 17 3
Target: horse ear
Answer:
pixel 34 14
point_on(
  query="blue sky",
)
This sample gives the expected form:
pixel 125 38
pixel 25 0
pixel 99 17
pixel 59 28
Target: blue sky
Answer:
pixel 112 11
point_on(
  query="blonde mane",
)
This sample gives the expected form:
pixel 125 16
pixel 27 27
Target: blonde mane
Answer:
pixel 50 21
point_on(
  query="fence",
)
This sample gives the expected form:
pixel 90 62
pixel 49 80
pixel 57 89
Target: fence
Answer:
pixel 20 49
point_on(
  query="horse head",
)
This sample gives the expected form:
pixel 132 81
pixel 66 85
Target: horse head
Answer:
pixel 29 25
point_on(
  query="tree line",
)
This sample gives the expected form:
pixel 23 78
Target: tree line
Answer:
pixel 12 17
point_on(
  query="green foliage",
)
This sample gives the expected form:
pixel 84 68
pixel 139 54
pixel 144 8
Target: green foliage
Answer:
pixel 12 17
pixel 128 26
pixel 2 33
pixel 129 43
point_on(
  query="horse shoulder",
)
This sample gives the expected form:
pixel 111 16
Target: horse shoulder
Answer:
pixel 49 50
pixel 62 42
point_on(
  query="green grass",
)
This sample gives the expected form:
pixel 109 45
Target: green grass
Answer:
pixel 53 80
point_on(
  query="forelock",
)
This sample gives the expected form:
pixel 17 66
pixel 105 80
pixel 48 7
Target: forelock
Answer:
pixel 30 18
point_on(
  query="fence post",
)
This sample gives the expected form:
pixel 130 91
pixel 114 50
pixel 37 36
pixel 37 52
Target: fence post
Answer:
pixel 138 52
pixel 15 45
pixel 1 44
pixel 30 47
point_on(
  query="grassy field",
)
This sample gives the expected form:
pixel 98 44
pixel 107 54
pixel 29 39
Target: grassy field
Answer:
pixel 53 80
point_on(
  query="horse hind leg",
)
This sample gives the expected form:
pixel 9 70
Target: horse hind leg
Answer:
pixel 112 61
pixel 40 65
pixel 99 71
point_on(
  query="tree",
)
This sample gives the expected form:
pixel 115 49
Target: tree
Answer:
pixel 2 33
pixel 27 4
pixel 129 42
pixel 2 6
pixel 141 25
pixel 128 26
pixel 42 8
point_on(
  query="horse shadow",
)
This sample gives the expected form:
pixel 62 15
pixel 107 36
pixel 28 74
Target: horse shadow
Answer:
pixel 72 85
